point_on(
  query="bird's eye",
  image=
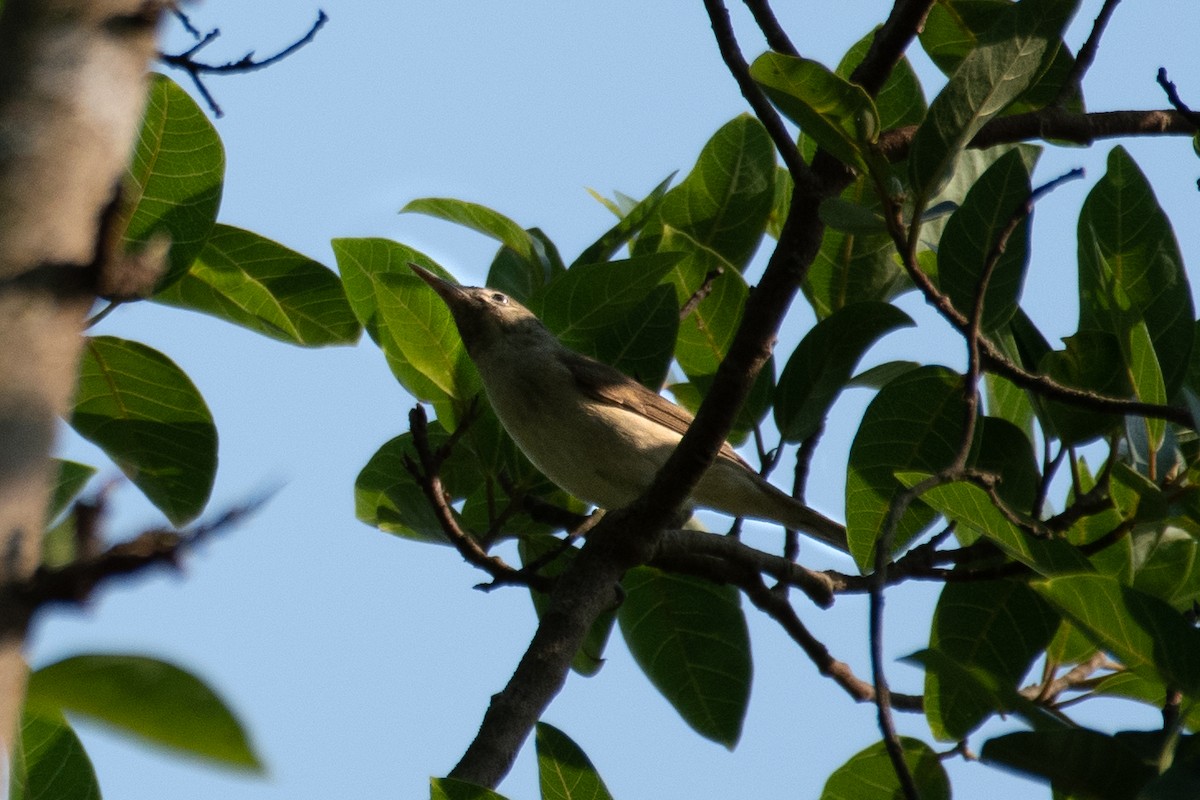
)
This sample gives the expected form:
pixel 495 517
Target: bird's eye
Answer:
pixel 499 299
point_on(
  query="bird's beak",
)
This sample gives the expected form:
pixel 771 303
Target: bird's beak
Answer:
pixel 451 294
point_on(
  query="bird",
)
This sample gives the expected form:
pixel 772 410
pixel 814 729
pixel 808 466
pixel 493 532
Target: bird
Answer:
pixel 591 429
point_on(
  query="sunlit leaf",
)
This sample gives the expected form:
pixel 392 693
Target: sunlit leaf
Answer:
pixel 175 178
pixel 259 284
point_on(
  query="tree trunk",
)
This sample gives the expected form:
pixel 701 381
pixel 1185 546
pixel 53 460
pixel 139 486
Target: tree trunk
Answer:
pixel 72 90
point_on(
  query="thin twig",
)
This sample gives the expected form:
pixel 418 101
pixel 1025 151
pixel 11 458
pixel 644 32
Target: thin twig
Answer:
pixel 1087 54
pixel 776 36
pixel 186 61
pixel 1174 98
pixel 727 43
pixel 703 291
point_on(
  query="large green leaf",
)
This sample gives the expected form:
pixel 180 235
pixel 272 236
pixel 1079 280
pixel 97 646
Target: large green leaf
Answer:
pixel 990 77
pixel 1131 270
pixel 823 362
pixel 616 311
pixel 259 284
pixel 953 29
pixel 689 636
pixel 564 770
pixel 148 698
pixel 409 322
pixel 175 178
pixel 478 218
pixel 914 423
pixel 706 333
pixel 387 497
pixel 49 761
pixel 972 237
pixel 996 626
pixel 1092 360
pixel 1146 633
pixel 869 774
pixel 853 267
pixel 1076 761
pixel 969 506
pixel 723 204
pixel 840 116
pixel 137 406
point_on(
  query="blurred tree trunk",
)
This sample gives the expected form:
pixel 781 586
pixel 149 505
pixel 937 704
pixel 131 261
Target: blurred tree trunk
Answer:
pixel 72 89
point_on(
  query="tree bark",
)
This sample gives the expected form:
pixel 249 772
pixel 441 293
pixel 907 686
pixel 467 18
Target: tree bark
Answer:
pixel 72 91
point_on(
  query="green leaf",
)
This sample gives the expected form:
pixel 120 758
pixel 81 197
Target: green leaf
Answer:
pixel 137 406
pixel 1146 633
pixel 581 304
pixel 995 626
pixel 1092 360
pixel 564 769
pixel 409 322
pixel 1131 270
pixel 952 30
pixel 72 477
pixel 387 496
pixel 853 267
pixel 914 423
pixel 259 284
pixel 706 333
pixel 970 506
pixel 975 685
pixel 901 101
pixel 823 362
pixel 148 698
pixel 590 657
pixel 840 116
pixel 478 218
pixel 642 343
pixel 723 204
pixel 49 761
pixel 630 225
pixel 451 789
pixel 988 79
pixel 1166 565
pixel 689 636
pixel 1078 762
pixel 176 176
pixel 972 238
pixel 1005 451
pixel 881 375
pixel 869 774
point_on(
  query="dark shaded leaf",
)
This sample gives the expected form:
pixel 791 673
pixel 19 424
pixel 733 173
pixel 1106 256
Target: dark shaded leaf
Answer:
pixel 137 406
pixel 148 698
pixel 690 638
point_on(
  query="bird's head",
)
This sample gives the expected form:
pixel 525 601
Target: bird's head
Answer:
pixel 483 316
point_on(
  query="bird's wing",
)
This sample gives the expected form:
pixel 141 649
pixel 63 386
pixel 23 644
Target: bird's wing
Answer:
pixel 609 385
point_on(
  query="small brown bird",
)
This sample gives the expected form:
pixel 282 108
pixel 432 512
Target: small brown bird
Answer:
pixel 589 428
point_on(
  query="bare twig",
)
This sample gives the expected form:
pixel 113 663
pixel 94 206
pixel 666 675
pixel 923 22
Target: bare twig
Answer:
pixel 247 63
pixel 1176 101
pixel 703 291
pixel 1087 54
pixel 776 36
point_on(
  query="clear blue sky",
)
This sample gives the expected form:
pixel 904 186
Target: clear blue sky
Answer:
pixel 362 663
